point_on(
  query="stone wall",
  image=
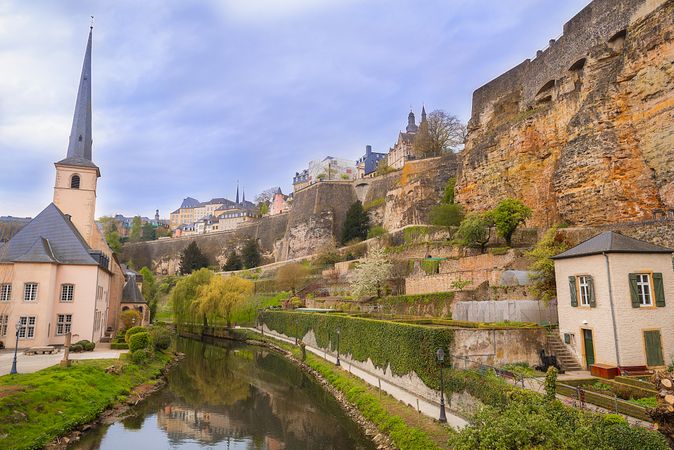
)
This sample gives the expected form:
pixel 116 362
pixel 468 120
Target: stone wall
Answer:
pixel 496 347
pixel 508 310
pixel 583 133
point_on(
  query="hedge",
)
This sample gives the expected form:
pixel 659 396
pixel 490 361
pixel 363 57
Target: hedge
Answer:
pixel 437 298
pixel 139 341
pixel 406 347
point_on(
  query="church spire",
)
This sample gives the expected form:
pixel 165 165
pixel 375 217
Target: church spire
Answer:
pixel 79 145
pixel 237 192
pixel 423 114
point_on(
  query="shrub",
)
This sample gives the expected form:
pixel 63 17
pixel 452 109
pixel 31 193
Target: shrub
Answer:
pixel 376 231
pixel 139 341
pixel 446 215
pixel 76 348
pixel 128 318
pixel 161 337
pixel 131 331
pixel 87 346
pixel 119 346
pixel 140 356
pixel 375 203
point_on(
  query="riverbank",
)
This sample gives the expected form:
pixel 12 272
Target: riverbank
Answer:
pixel 388 422
pixel 38 408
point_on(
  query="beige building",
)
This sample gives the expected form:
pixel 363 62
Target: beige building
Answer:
pixel 57 273
pixel 402 151
pixel 615 300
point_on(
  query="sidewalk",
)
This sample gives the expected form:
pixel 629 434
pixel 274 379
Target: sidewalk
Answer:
pixel 33 363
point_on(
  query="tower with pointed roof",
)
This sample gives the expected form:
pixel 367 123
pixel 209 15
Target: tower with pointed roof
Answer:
pixel 76 174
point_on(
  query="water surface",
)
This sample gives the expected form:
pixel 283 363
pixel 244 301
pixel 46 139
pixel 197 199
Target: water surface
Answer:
pixel 232 396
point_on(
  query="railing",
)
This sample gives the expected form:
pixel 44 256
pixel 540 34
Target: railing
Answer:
pixel 610 402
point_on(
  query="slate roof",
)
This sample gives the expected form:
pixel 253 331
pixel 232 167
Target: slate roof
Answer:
pixel 131 293
pixel 611 242
pixel 49 237
pixel 190 202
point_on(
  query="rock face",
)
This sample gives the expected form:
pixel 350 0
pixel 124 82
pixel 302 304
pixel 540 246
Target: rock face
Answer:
pixel 583 133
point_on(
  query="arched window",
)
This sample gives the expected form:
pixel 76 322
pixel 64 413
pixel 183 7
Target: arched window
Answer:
pixel 75 182
pixel 578 65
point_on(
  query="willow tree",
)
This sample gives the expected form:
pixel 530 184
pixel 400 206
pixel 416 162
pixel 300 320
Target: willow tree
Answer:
pixel 185 294
pixel 221 295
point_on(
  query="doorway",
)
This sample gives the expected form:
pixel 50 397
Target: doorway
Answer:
pixel 588 344
pixel 653 344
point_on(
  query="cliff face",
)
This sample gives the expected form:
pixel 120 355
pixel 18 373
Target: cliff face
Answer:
pixel 593 145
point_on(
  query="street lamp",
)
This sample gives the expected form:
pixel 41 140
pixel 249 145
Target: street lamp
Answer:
pixel 337 363
pixel 16 347
pixel 440 355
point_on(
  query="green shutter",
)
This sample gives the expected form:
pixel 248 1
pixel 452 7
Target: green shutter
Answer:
pixel 572 290
pixel 590 285
pixel 634 293
pixel 659 289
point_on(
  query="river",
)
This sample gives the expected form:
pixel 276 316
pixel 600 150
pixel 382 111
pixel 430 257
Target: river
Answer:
pixel 232 396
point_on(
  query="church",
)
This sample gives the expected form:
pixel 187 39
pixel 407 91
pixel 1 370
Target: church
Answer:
pixel 57 273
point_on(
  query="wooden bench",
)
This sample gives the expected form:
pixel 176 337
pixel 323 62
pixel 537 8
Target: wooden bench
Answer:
pixel 40 350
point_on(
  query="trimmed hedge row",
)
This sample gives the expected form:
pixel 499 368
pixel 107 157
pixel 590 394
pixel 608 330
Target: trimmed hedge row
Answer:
pixel 406 347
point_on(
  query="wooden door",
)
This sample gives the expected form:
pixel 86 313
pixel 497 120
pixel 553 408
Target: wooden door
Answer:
pixel 589 348
pixel 653 348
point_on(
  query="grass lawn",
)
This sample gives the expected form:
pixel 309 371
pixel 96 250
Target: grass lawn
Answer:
pixel 407 428
pixel 37 407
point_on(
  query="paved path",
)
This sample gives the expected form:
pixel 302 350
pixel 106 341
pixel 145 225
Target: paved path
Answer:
pixel 33 363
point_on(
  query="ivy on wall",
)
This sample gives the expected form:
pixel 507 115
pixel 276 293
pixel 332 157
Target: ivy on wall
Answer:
pixel 406 347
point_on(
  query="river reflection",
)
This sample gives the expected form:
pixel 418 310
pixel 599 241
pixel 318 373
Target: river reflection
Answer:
pixel 236 397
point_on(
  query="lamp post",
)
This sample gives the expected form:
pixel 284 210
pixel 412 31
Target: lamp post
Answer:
pixel 337 363
pixel 16 347
pixel 440 355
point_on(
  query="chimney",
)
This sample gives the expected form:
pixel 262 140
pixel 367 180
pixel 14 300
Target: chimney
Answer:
pixel 68 217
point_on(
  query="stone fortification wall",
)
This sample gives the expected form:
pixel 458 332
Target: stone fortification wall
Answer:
pixel 583 133
pixel 163 256
pixel 595 24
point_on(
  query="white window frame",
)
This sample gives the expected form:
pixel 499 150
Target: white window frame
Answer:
pixel 30 295
pixel 584 290
pixel 63 324
pixel 27 328
pixel 4 324
pixel 644 289
pixel 5 292
pixel 67 297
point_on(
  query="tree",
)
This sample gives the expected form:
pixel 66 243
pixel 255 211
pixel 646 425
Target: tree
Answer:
pixel 266 196
pixel 446 215
pixel 233 262
pixel 192 259
pixel 448 196
pixel 219 297
pixel 383 168
pixel 507 216
pixel 162 231
pixel 148 232
pixel 250 254
pixel 264 208
pixel 114 242
pixel 474 231
pixel 185 293
pixel 543 267
pixel 129 318
pixel 136 229
pixel 447 133
pixel 291 277
pixel 150 291
pixel 370 276
pixel 356 224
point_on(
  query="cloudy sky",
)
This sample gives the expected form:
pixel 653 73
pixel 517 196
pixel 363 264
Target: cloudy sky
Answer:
pixel 190 96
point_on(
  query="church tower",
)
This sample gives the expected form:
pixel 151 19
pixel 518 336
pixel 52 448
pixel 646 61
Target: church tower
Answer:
pixel 77 175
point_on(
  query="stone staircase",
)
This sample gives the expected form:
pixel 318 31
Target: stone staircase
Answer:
pixel 556 347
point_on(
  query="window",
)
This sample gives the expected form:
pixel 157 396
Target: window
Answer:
pixel 27 328
pixel 5 292
pixel 644 289
pixel 75 182
pixel 30 292
pixel 67 291
pixel 63 323
pixel 584 290
pixel 4 323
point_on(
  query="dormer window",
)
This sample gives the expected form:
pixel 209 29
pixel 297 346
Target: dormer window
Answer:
pixel 75 182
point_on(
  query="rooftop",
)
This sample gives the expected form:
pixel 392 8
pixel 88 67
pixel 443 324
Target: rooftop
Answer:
pixel 611 242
